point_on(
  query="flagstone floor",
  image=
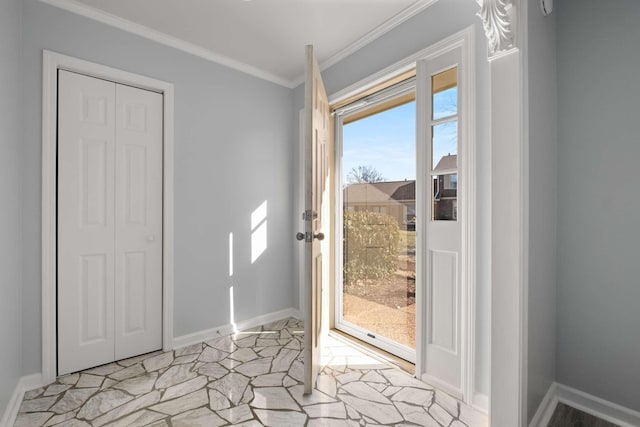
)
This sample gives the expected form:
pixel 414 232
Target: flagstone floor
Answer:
pixel 253 378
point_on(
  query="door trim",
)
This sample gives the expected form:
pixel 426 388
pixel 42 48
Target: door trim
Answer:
pixel 464 40
pixel 52 62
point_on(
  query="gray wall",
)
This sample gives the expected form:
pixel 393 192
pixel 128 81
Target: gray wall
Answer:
pixel 440 20
pixel 10 212
pixel 599 204
pixel 543 196
pixel 232 152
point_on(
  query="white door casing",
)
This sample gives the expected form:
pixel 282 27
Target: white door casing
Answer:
pixel 138 222
pixel 317 128
pixel 109 222
pixel 506 28
pixel 52 64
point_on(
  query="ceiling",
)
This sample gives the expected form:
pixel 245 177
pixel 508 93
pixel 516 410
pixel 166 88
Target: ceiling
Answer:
pixel 265 38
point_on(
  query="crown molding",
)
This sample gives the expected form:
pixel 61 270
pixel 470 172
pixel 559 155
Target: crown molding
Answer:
pixel 90 12
pixel 81 9
pixel 372 35
pixel 498 21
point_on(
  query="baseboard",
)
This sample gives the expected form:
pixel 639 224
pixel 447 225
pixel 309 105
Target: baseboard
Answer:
pixel 598 407
pixel 585 402
pixel 441 385
pixel 31 382
pixel 11 411
pixel 196 337
pixel 545 411
pixel 480 402
pixel 26 383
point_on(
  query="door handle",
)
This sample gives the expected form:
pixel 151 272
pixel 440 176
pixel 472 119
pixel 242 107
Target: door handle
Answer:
pixel 151 238
pixel 307 236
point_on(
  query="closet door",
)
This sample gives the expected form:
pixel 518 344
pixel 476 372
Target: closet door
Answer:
pixel 86 227
pixel 109 222
pixel 138 222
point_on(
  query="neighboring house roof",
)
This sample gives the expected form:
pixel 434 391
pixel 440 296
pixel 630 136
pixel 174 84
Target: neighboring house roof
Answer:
pixel 447 162
pixel 379 192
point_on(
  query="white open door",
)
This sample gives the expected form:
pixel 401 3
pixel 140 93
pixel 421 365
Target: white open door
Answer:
pixel 316 142
pixel 86 223
pixel 138 222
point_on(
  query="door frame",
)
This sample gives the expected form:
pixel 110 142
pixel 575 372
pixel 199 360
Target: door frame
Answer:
pixel 52 62
pixel 464 40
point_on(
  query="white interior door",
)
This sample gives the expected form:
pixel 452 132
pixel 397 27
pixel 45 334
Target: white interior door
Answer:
pixel 440 83
pixel 86 227
pixel 109 222
pixel 138 222
pixel 317 129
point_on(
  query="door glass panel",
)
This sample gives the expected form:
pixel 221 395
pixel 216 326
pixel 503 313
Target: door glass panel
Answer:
pixel 445 146
pixel 444 197
pixel 379 246
pixel 444 87
pixel 445 104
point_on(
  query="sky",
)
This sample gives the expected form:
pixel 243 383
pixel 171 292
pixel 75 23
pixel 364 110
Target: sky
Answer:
pixel 387 141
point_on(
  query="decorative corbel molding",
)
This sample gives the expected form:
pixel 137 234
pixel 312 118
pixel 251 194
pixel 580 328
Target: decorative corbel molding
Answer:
pixel 497 18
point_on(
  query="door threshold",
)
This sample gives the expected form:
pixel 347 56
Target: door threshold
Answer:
pixel 387 357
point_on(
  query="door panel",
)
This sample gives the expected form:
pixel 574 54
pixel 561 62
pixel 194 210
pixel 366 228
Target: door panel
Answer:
pixel 316 176
pixel 138 222
pixel 85 222
pixel 134 293
pixel 93 299
pixel 443 310
pixel 440 78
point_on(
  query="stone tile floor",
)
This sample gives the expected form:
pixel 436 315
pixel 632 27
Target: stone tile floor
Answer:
pixel 253 378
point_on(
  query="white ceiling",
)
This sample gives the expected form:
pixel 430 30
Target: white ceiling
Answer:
pixel 265 38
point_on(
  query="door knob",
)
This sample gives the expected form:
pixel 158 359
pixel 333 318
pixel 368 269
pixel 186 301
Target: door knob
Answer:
pixel 303 236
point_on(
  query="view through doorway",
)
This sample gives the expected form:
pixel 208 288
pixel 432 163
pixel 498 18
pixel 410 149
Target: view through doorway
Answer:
pixel 376 296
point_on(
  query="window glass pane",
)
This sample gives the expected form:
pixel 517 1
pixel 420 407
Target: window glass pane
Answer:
pixel 444 197
pixel 445 104
pixel 445 146
pixel 444 87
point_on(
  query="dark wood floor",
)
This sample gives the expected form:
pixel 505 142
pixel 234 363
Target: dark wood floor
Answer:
pixel 566 416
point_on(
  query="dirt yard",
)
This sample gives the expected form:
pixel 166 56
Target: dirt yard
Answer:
pixel 387 307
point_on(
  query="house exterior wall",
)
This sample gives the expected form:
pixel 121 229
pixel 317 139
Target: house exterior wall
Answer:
pixel 442 19
pixel 543 200
pixel 232 152
pixel 599 205
pixel 10 196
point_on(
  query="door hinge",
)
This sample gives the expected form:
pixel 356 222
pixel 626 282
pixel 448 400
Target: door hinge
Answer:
pixel 309 215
